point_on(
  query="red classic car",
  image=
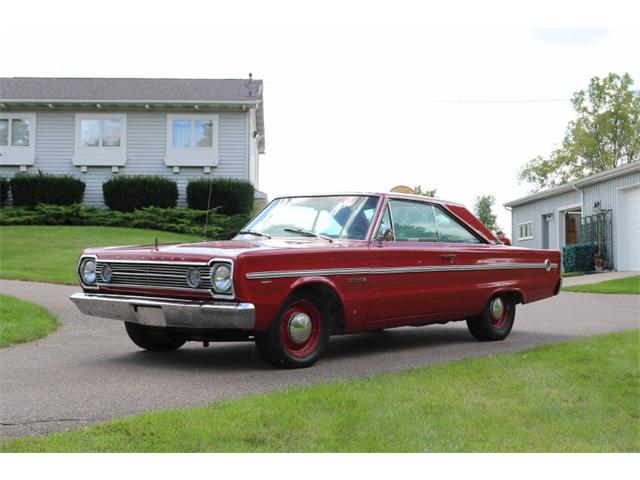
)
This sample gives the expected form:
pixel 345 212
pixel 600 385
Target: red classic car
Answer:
pixel 307 267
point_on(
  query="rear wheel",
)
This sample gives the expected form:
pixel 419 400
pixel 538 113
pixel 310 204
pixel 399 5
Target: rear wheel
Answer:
pixel 496 320
pixel 299 334
pixel 154 339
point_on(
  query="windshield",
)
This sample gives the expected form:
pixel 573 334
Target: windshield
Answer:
pixel 347 217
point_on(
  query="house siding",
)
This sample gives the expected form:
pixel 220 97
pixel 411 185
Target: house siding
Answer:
pixel 533 212
pixel 146 149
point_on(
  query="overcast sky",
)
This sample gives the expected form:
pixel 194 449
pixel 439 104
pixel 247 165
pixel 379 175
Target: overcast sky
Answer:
pixel 358 95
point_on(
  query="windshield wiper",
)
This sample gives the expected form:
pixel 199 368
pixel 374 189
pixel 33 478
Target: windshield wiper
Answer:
pixel 253 232
pixel 308 233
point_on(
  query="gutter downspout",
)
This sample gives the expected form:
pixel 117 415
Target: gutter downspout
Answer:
pixel 509 209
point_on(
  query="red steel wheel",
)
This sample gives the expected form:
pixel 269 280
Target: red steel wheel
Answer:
pixel 496 320
pixel 498 312
pixel 301 328
pixel 299 334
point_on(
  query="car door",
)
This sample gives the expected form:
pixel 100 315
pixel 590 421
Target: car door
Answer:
pixel 403 283
pixel 465 253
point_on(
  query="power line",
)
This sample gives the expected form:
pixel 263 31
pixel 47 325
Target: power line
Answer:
pixel 544 100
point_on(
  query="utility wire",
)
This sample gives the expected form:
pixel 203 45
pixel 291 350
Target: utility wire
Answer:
pixel 545 100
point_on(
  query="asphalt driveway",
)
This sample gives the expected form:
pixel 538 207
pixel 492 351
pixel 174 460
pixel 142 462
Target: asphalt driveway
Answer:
pixel 89 370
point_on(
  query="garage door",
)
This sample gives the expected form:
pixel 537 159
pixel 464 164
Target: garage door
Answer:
pixel 630 249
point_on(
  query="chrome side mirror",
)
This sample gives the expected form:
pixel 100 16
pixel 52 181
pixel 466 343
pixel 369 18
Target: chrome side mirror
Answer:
pixel 386 236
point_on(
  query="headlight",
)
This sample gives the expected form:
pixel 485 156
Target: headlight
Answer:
pixel 193 277
pixel 106 273
pixel 222 278
pixel 88 271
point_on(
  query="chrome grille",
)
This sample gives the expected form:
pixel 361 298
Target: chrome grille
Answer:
pixel 172 275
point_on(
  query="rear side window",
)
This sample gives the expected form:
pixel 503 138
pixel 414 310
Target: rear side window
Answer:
pixel 450 231
pixel 413 222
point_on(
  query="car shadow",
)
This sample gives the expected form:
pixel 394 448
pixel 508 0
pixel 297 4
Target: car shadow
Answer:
pixel 242 356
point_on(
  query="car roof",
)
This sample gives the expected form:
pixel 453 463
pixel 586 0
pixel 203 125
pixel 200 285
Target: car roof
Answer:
pixel 405 196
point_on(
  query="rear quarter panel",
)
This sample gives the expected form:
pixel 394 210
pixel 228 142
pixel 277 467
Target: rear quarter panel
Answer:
pixel 531 284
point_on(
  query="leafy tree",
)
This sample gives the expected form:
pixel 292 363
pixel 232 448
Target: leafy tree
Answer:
pixel 427 193
pixel 482 208
pixel 605 134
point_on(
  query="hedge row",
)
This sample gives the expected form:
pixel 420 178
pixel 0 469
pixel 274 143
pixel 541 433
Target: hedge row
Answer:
pixel 233 196
pixel 4 190
pixel 126 194
pixel 29 190
pixel 578 257
pixel 181 220
pixel 129 193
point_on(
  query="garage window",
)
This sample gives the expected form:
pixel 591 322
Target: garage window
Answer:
pixel 525 231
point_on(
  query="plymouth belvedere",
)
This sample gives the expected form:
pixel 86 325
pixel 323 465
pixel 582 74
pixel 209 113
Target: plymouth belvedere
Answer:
pixel 308 267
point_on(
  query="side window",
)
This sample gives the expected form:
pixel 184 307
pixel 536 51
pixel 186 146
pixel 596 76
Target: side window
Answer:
pixel 413 222
pixel 451 231
pixel 385 224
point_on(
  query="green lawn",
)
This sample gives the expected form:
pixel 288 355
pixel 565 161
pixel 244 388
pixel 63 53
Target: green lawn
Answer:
pixel 50 253
pixel 22 321
pixel 630 285
pixel 579 396
pixel 571 274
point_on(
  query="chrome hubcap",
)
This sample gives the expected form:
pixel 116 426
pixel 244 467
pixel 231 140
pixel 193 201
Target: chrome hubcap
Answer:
pixel 497 308
pixel 300 327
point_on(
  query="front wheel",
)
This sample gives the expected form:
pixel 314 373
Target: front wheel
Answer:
pixel 154 339
pixel 298 335
pixel 496 320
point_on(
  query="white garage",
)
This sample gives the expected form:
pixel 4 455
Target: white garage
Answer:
pixel 565 215
pixel 629 229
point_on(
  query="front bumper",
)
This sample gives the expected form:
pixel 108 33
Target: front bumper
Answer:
pixel 163 312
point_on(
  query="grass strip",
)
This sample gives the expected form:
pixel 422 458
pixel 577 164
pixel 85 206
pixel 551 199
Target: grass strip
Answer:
pixel 22 321
pixel 626 285
pixel 579 396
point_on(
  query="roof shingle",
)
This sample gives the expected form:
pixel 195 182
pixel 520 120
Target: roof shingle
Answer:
pixel 131 89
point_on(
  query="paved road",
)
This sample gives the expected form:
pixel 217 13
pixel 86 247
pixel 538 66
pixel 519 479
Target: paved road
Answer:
pixel 90 371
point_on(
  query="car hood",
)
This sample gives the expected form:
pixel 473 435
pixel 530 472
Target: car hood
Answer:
pixel 205 251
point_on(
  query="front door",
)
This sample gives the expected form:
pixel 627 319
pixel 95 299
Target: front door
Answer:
pixel 570 235
pixel 403 285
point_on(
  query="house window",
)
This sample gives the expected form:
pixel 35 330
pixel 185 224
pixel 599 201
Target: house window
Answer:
pixel 105 133
pixel 17 138
pixel 100 139
pixel 192 134
pixel 525 231
pixel 192 140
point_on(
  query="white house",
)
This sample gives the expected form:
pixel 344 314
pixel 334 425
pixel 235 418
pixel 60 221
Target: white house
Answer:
pixel 94 128
pixel 606 205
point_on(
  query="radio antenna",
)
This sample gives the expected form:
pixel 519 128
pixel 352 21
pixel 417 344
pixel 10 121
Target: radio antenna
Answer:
pixel 206 222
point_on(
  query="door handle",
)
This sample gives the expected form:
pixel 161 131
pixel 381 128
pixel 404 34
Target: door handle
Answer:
pixel 449 256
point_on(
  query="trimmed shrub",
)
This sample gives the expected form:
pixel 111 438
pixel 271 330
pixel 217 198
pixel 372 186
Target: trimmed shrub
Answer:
pixel 4 190
pixel 126 194
pixel 231 196
pixel 179 220
pixel 29 190
pixel 578 257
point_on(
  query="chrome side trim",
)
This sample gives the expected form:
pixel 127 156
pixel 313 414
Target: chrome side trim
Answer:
pixel 164 312
pixel 394 270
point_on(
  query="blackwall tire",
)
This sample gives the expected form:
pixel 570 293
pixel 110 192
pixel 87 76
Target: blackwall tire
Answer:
pixel 496 321
pixel 299 334
pixel 154 339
